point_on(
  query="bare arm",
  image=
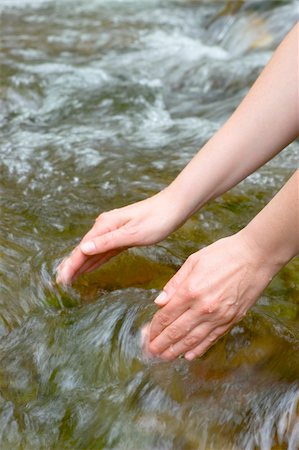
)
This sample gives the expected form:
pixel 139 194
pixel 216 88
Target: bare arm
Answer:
pixel 275 230
pixel 217 285
pixel 265 122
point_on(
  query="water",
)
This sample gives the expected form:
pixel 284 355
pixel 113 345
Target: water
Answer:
pixel 102 103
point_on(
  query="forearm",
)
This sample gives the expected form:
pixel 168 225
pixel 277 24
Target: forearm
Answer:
pixel 265 122
pixel 215 287
pixel 274 232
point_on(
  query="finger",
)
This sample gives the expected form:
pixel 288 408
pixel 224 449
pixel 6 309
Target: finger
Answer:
pixel 60 267
pixel 177 292
pixel 112 240
pixel 107 215
pixel 70 266
pixel 100 261
pixel 174 283
pixel 69 270
pixel 104 223
pixel 177 331
pixel 189 341
pixel 92 263
pixel 144 340
pixel 165 317
pixel 206 332
pixel 210 340
pixel 207 326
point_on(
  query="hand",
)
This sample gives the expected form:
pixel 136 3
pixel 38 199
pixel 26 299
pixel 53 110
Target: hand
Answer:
pixel 213 290
pixel 143 223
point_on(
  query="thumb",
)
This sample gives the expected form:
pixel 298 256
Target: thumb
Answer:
pixel 174 283
pixel 109 241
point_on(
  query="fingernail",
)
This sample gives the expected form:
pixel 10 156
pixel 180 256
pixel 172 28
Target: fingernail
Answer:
pixel 88 247
pixel 190 356
pixel 161 299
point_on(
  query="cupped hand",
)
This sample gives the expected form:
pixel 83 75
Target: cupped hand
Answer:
pixel 143 223
pixel 213 290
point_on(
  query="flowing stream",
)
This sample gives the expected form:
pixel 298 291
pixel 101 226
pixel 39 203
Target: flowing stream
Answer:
pixel 102 103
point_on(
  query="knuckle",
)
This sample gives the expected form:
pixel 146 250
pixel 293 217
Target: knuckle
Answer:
pixel 191 259
pixel 208 306
pixel 103 215
pixel 192 291
pixel 173 284
pixel 174 333
pixel 154 349
pixel 212 306
pixel 162 319
pixel 202 307
pixel 130 229
pixel 106 239
pixel 168 355
pixel 191 340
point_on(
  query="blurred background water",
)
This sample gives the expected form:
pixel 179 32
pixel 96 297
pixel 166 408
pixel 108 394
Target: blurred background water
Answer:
pixel 102 103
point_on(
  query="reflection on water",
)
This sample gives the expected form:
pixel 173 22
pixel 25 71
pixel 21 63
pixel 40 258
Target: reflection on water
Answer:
pixel 101 104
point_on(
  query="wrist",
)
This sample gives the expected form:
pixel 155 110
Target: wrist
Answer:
pixel 184 202
pixel 269 256
pixel 174 205
pixel 274 233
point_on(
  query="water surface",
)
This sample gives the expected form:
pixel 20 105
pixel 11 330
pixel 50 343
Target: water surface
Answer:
pixel 102 103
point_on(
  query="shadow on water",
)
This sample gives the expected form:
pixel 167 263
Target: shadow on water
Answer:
pixel 102 103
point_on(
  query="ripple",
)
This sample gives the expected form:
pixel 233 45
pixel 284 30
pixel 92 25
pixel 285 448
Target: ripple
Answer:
pixel 102 104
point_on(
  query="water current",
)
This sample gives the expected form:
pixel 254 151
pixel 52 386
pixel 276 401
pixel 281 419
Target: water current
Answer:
pixel 102 103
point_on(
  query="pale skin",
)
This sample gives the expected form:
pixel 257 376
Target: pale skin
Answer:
pixel 217 285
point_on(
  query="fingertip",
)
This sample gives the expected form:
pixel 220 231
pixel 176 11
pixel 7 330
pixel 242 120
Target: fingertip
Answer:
pixel 190 356
pixel 144 340
pixel 63 276
pixel 63 281
pixel 88 247
pixel 59 280
pixel 168 354
pixel 162 299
